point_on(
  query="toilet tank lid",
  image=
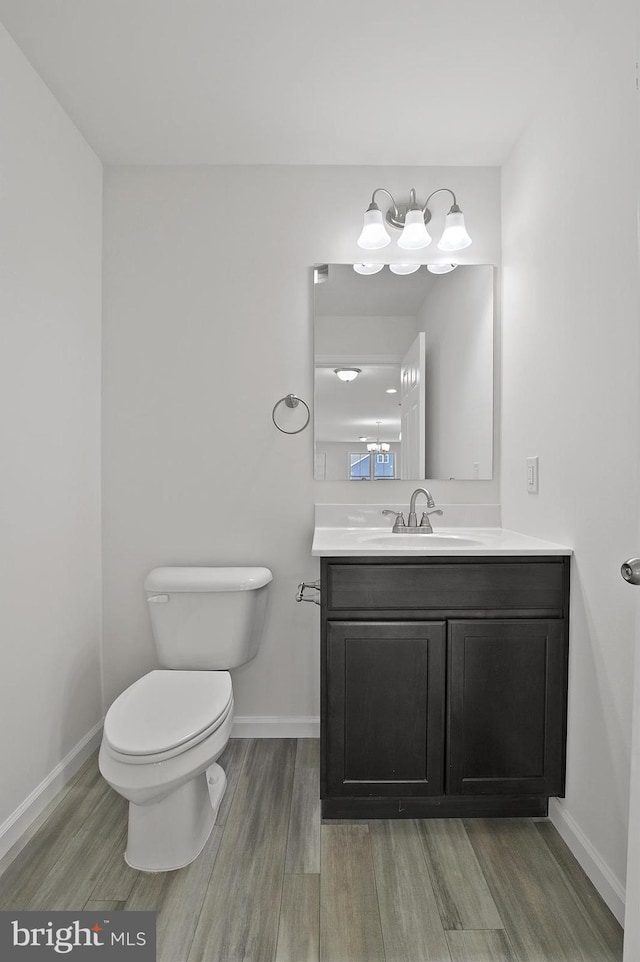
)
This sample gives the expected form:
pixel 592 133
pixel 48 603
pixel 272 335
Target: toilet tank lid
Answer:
pixel 207 579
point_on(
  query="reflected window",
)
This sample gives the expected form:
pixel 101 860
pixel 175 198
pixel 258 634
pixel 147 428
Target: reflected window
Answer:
pixel 372 467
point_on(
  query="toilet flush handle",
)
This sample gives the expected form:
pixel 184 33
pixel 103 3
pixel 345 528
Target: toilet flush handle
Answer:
pixel 313 586
pixel 158 599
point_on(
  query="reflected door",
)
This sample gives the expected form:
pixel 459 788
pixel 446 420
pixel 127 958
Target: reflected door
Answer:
pixel 413 410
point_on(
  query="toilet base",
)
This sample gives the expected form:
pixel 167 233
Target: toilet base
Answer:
pixel 169 834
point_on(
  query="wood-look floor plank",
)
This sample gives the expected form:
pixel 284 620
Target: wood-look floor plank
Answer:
pixel 26 872
pixel 464 899
pixel 350 928
pixel 299 929
pixel 239 918
pixel 550 910
pixel 85 771
pixel 116 880
pixel 482 945
pixel 177 898
pixel 411 926
pixel 98 906
pixel 303 844
pixel 593 904
pixel 232 760
pixel 542 916
pixel 308 753
pixel 70 882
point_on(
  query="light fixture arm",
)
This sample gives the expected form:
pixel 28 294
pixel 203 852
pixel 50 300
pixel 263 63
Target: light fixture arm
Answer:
pixel 396 214
pixel 454 208
pixel 374 206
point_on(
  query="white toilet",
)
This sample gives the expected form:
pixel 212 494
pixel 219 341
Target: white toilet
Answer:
pixel 163 734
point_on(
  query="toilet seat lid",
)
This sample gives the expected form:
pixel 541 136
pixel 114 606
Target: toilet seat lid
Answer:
pixel 166 709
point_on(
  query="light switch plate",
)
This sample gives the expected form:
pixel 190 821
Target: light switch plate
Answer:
pixel 532 475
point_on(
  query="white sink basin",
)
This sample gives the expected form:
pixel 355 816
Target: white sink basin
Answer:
pixel 422 541
pixel 361 540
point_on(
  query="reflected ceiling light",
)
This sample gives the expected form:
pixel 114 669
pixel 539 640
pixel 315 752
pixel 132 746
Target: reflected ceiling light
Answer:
pixel 441 268
pixel 367 268
pixel 347 373
pixel 378 446
pixel 412 219
pixel 404 268
pixel 362 439
pixel 391 390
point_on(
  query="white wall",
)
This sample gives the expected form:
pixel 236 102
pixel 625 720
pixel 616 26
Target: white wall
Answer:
pixel 458 320
pixel 208 321
pixel 570 396
pixel 336 334
pixel 50 291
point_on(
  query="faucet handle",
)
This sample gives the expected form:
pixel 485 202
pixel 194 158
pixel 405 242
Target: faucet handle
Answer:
pixel 399 523
pixel 424 521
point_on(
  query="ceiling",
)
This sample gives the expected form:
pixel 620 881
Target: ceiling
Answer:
pixel 345 410
pixel 416 82
pixel 372 295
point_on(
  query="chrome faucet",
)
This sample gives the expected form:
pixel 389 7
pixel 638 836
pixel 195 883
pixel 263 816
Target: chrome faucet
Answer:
pixel 412 526
pixel 412 505
pixel 425 525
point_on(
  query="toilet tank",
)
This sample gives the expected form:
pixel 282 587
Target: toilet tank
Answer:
pixel 207 618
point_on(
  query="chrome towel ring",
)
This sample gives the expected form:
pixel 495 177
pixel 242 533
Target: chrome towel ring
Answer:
pixel 291 401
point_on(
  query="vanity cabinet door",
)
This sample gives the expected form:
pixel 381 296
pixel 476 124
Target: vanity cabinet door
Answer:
pixel 506 707
pixel 385 708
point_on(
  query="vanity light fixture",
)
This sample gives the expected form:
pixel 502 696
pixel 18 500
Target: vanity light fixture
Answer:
pixel 378 446
pixel 404 268
pixel 441 268
pixel 367 268
pixel 347 373
pixel 412 220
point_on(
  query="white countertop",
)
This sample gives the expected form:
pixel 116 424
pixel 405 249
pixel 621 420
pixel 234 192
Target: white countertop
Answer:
pixel 362 541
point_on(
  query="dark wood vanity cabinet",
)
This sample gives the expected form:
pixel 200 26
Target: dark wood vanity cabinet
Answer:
pixel 444 685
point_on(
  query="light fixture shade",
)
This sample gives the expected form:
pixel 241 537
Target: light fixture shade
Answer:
pixel 415 234
pixel 373 236
pixel 441 268
pixel 347 373
pixel 454 236
pixel 404 268
pixel 367 268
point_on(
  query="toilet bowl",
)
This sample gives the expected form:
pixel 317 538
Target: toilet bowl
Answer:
pixel 162 735
pixel 161 739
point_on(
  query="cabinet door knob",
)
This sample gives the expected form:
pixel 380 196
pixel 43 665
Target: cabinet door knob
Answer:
pixel 630 571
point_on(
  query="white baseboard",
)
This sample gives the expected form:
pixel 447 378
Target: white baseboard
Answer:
pixel 276 726
pixel 19 821
pixel 606 882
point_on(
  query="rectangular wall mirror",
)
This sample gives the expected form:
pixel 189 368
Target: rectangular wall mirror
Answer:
pixel 421 403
